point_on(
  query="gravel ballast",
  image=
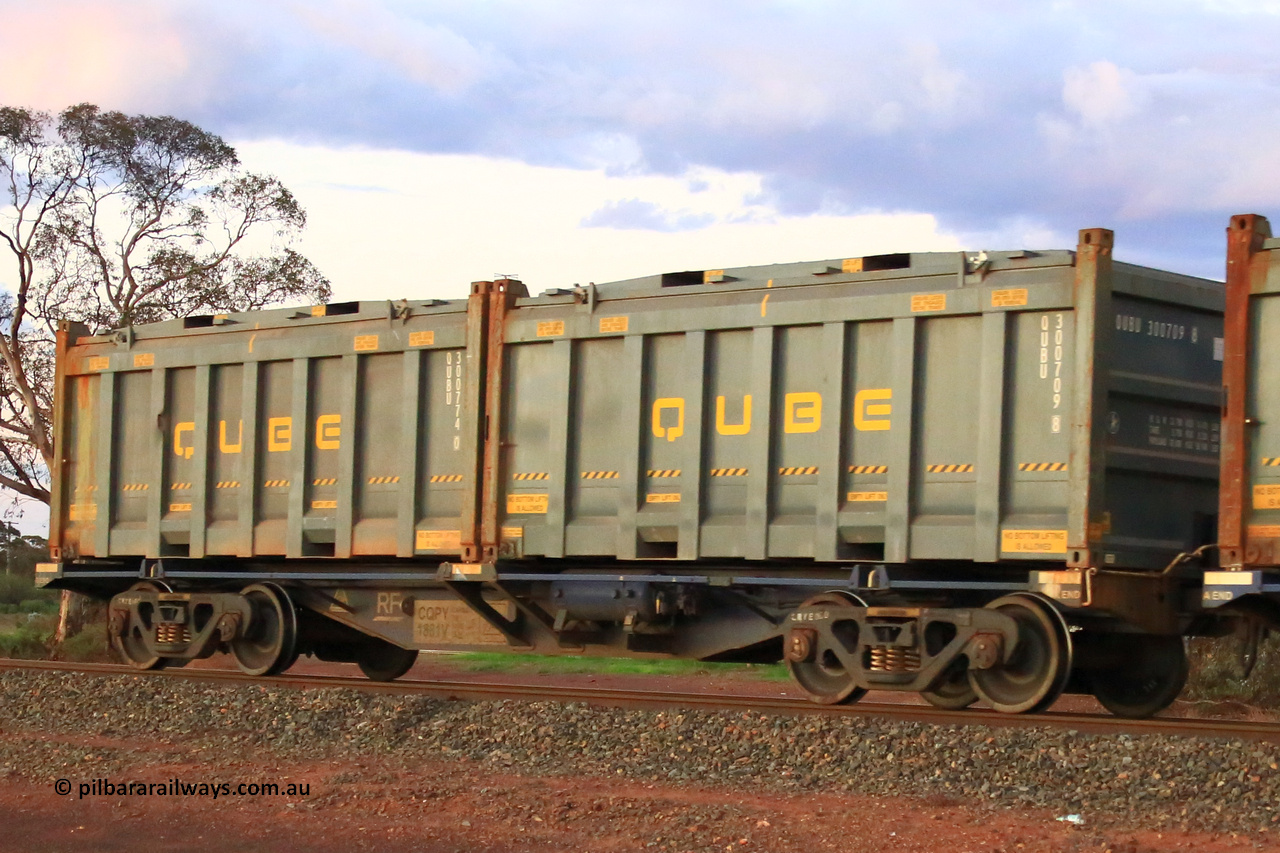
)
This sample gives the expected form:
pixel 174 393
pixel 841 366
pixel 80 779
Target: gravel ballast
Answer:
pixel 1140 780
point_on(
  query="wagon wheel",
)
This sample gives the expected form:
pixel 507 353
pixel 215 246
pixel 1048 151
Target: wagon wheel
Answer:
pixel 270 644
pixel 1041 664
pixel 132 643
pixel 952 692
pixel 381 661
pixel 1153 674
pixel 812 657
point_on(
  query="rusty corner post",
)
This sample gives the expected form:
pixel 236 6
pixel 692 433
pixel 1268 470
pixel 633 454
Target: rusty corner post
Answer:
pixel 502 298
pixel 1245 236
pixel 68 334
pixel 473 403
pixel 1086 521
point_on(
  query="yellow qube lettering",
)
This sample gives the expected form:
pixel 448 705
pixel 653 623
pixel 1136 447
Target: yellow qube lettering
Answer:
pixel 670 433
pixel 328 431
pixel 279 434
pixel 734 429
pixel 869 416
pixel 803 412
pixel 223 444
pixel 179 430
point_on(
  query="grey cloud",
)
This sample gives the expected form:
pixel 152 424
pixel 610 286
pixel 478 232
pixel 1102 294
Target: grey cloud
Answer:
pixel 635 214
pixel 978 112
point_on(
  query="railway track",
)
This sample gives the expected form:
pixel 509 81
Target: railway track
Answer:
pixel 614 697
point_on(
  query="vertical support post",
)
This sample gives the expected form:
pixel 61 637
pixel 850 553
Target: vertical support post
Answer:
pixel 689 534
pixel 561 388
pixel 1245 236
pixel 345 517
pixel 412 417
pixel 247 459
pixel 760 473
pixel 633 477
pixel 902 467
pixel 104 459
pixel 59 489
pixel 1088 459
pixel 502 297
pixel 831 456
pixel 155 458
pixel 297 466
pixel 990 459
pixel 473 417
pixel 199 515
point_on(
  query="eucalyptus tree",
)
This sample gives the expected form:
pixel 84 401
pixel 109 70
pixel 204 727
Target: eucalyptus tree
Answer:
pixel 112 220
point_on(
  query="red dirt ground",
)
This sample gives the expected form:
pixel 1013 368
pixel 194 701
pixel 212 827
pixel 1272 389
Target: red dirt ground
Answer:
pixel 458 805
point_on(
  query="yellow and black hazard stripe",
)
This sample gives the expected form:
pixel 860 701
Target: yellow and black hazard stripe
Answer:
pixel 728 472
pixel 599 475
pixel 536 475
pixel 382 481
pixel 275 484
pixel 135 487
pixel 228 484
pixel 325 481
pixel 949 469
pixel 795 472
pixel 446 478
pixel 868 469
pixel 664 472
pixel 1042 466
pixel 1271 461
pixel 179 487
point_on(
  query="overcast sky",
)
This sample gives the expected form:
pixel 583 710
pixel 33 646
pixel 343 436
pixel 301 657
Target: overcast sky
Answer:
pixel 434 143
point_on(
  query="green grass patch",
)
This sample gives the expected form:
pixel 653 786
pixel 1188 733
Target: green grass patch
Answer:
pixel 568 665
pixel 1216 673
pixel 30 639
pixel 89 645
pixel 17 591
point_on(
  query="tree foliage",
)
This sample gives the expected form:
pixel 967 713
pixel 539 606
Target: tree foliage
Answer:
pixel 113 220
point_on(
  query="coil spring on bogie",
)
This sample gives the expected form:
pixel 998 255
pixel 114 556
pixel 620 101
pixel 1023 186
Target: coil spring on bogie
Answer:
pixel 894 659
pixel 172 635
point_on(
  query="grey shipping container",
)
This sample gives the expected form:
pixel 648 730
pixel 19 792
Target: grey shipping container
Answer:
pixel 719 463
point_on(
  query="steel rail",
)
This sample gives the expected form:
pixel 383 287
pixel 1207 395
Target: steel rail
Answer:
pixel 628 698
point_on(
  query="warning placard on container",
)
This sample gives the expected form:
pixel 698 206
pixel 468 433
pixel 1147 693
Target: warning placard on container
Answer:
pixel 614 324
pixel 99 362
pixel 662 498
pixel 527 504
pixel 1033 541
pixel 929 302
pixel 868 497
pixel 422 339
pixel 1266 497
pixel 438 540
pixel 454 623
pixel 1009 298
pixel 366 343
pixel 550 328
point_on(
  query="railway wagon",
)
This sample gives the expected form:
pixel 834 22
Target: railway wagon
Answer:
pixel 971 475
pixel 1246 583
